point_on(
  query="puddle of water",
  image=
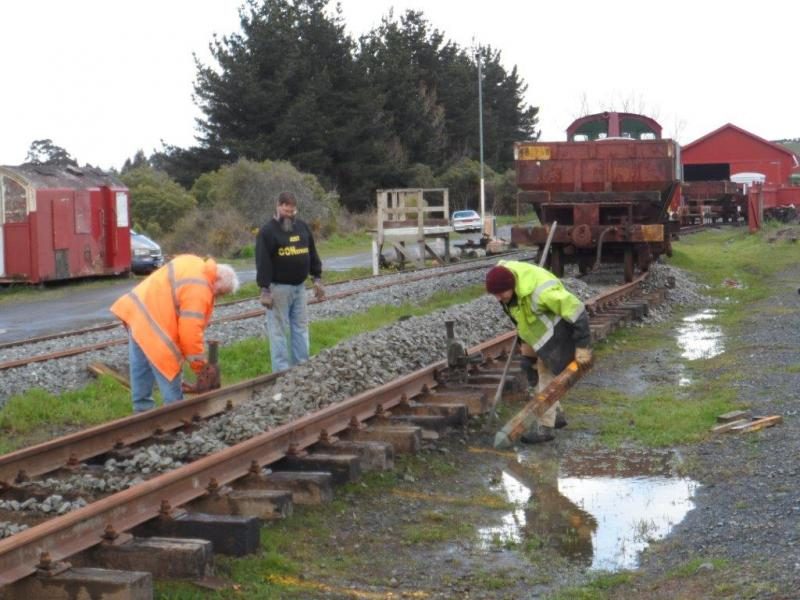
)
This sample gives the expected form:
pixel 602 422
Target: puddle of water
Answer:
pixel 698 338
pixel 630 512
pixel 598 510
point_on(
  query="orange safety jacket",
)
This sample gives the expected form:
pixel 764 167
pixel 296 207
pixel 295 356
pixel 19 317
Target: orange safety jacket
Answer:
pixel 168 312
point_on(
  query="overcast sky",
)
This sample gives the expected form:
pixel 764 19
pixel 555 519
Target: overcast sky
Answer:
pixel 103 78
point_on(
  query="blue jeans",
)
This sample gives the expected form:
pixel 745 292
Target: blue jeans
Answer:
pixel 144 375
pixel 287 326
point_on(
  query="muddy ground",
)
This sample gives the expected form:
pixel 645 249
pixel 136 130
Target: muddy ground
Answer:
pixel 716 519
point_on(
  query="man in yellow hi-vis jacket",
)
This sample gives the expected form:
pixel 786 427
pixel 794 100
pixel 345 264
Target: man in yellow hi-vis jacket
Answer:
pixel 552 325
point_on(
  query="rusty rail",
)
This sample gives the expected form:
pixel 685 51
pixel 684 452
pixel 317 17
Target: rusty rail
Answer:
pixel 73 532
pixel 81 529
pixel 250 314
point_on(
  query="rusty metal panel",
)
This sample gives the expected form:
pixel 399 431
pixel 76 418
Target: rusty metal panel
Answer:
pixel 564 236
pixel 541 152
pixel 83 212
pixel 598 166
pixel 62 222
pixel 588 214
pixel 652 233
pixel 15 202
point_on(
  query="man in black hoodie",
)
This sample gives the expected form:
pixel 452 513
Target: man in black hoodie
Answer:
pixel 285 256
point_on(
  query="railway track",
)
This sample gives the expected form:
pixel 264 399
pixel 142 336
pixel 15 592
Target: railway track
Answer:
pixel 430 397
pixel 30 351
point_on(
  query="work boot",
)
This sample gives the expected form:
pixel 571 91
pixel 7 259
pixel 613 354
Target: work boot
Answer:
pixel 538 435
pixel 528 366
pixel 561 420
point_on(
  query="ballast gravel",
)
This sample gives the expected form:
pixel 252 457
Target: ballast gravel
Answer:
pixel 68 373
pixel 358 364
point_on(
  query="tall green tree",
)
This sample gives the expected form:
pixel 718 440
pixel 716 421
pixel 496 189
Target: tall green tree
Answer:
pixel 401 60
pixel 288 87
pixel 507 119
pixel 45 152
pixel 293 86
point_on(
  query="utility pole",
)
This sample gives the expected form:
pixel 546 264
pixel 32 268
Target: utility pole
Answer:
pixel 480 135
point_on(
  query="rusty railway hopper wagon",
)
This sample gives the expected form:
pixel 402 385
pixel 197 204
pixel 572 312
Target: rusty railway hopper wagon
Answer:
pixel 610 195
pixel 709 202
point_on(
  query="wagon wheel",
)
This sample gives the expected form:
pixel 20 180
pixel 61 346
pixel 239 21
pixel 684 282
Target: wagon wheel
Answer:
pixel 557 261
pixel 628 263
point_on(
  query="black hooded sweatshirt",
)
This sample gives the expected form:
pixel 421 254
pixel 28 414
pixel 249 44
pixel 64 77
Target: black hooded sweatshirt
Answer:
pixel 286 256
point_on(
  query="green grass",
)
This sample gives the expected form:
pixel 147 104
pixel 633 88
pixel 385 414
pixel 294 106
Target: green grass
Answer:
pixel 436 527
pixel 37 415
pixel 342 245
pixel 668 415
pixel 600 588
pixel 660 418
pixel 23 416
pixel 735 264
pixel 526 218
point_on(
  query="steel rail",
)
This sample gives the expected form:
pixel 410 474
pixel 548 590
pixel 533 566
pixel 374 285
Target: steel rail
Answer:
pixel 73 532
pixel 615 295
pixel 114 324
pixel 251 314
pixel 72 449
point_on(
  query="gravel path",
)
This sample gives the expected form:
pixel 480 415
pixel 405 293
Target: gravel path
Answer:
pixel 748 506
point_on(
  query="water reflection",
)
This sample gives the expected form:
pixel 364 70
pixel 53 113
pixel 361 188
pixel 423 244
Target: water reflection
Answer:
pixel 597 509
pixel 698 338
pixel 632 513
pixel 683 376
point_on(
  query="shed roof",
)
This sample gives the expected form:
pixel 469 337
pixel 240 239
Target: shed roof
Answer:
pixel 731 126
pixel 63 177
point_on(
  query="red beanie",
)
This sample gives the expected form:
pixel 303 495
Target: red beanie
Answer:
pixel 499 279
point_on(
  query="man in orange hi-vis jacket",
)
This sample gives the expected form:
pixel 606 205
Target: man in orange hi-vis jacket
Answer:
pixel 166 316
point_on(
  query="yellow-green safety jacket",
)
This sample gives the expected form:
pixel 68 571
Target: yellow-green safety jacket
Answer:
pixel 548 317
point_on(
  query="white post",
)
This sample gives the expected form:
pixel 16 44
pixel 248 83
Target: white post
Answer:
pixel 480 135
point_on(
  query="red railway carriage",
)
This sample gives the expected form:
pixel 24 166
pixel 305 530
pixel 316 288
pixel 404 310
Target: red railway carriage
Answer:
pixel 609 192
pixel 61 223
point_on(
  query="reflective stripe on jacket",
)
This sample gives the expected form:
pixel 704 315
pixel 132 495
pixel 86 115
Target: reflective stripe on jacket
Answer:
pixel 168 312
pixel 542 302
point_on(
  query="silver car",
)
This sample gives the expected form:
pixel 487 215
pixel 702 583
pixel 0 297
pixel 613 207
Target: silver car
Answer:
pixel 466 220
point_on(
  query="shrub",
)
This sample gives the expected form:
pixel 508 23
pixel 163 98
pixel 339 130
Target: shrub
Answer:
pixel 252 189
pixel 218 231
pixel 157 202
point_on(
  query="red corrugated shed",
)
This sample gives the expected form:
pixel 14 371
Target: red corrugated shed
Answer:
pixel 739 151
pixel 62 222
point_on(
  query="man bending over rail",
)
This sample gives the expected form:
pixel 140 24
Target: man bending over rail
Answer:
pixel 166 316
pixel 552 325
